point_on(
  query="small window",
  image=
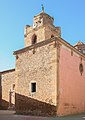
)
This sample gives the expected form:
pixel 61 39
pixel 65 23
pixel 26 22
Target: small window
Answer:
pixel 81 68
pixel 52 36
pixel 34 39
pixel 17 57
pixel 12 87
pixel 33 87
pixel 71 53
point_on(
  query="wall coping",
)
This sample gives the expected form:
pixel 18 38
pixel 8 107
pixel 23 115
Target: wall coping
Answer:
pixel 6 71
pixel 45 42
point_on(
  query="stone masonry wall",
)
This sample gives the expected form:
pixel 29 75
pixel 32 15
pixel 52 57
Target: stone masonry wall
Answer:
pixel 40 32
pixel 43 33
pixel 39 67
pixel 51 31
pixel 8 80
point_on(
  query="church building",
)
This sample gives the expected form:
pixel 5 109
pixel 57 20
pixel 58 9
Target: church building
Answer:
pixel 49 74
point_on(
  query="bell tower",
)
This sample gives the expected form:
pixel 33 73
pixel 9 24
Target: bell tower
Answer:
pixel 41 30
pixel 42 19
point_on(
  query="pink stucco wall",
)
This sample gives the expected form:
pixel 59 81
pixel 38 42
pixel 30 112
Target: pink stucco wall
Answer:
pixel 71 83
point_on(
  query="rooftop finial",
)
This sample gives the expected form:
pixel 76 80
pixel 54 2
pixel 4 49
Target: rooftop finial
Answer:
pixel 42 8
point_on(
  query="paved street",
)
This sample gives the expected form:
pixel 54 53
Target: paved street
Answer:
pixel 10 115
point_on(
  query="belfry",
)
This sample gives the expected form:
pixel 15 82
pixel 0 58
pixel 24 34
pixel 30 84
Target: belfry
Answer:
pixel 49 74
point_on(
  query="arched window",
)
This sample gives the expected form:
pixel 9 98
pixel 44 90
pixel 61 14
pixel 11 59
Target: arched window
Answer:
pixel 34 39
pixel 81 68
pixel 52 36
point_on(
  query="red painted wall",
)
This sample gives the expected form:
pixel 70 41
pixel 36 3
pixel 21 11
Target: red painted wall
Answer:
pixel 71 83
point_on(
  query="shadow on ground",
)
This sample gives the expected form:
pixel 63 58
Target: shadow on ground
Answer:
pixel 10 115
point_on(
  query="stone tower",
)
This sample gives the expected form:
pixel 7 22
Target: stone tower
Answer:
pixel 46 68
pixel 42 29
pixel 36 67
pixel 49 76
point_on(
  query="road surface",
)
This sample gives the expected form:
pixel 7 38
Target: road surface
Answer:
pixel 10 115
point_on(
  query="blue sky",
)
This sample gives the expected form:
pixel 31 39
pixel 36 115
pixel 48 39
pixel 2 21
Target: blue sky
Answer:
pixel 15 14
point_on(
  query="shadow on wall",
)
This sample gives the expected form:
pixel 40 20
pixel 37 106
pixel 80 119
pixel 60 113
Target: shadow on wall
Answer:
pixel 3 103
pixel 26 105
